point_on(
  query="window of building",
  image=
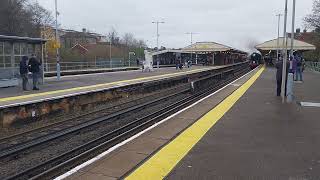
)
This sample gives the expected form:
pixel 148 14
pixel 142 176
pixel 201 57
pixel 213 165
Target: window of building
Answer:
pixel 1 48
pixel 7 48
pixel 7 61
pixel 24 49
pixel 16 48
pixel 30 49
pixel 17 60
pixel 1 55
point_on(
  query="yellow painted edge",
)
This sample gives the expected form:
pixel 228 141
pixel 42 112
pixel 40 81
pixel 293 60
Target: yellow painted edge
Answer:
pixel 161 164
pixel 99 85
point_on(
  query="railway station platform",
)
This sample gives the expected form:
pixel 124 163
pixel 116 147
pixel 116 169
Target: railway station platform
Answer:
pixel 84 92
pixel 75 81
pixel 243 131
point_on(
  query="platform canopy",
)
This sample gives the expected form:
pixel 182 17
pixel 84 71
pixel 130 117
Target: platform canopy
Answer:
pixel 273 45
pixel 210 47
pixel 206 47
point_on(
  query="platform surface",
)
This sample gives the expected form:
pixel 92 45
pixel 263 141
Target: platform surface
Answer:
pixel 261 138
pixel 258 138
pixel 79 83
pixel 117 163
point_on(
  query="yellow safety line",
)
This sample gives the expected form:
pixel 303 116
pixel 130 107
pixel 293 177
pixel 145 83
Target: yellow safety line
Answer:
pixel 98 85
pixel 162 163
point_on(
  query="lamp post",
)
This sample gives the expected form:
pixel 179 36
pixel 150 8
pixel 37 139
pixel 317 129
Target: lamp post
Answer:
pixel 284 65
pixel 57 36
pixel 157 23
pixel 293 24
pixel 290 74
pixel 191 41
pixel 278 44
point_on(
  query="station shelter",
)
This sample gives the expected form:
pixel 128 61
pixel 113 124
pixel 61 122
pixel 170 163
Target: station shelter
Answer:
pixel 167 56
pixel 212 53
pixel 12 48
pixel 206 53
pixel 269 48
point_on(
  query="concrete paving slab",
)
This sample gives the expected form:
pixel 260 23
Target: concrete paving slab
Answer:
pixel 94 176
pixel 176 124
pixel 117 166
pixel 144 145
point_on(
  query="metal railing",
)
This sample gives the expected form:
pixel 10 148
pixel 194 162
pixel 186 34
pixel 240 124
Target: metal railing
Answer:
pixel 315 66
pixel 73 66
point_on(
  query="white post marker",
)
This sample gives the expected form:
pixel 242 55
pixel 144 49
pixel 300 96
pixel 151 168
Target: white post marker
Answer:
pixel 290 88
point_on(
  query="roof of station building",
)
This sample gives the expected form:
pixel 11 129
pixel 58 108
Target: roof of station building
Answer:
pixel 22 39
pixel 273 45
pixel 209 47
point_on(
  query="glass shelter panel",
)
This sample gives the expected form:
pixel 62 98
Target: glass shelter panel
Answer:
pixel 7 48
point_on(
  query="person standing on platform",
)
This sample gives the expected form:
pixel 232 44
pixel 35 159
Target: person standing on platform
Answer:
pixel 34 68
pixel 177 63
pixel 279 66
pixel 24 72
pixel 299 67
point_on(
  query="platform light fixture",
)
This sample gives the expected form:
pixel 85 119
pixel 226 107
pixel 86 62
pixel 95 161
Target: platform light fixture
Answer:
pixel 191 41
pixel 157 23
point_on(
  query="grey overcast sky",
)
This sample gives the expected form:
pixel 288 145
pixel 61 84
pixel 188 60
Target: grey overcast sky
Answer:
pixel 231 22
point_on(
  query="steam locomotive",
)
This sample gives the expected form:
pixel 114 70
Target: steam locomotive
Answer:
pixel 255 60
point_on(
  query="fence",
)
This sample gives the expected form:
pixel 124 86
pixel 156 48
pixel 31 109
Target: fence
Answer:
pixel 99 64
pixel 315 66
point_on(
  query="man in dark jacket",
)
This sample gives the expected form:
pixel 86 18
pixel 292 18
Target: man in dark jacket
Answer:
pixel 24 72
pixel 279 67
pixel 34 67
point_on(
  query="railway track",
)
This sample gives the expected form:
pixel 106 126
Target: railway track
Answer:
pixel 56 165
pixel 28 136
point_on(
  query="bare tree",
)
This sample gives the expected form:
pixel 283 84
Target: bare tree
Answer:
pixel 114 37
pixel 142 44
pixel 313 20
pixel 12 16
pixel 40 17
pixel 128 39
pixel 22 18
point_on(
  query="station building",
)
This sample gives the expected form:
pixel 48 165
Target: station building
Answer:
pixel 12 48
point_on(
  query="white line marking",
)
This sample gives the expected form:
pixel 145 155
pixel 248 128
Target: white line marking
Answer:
pixel 310 104
pixel 76 169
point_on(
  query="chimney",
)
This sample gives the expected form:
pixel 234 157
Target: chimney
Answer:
pixel 84 30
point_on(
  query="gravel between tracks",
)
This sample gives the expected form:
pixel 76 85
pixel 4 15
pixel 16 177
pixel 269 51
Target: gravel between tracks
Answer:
pixel 12 165
pixel 5 132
